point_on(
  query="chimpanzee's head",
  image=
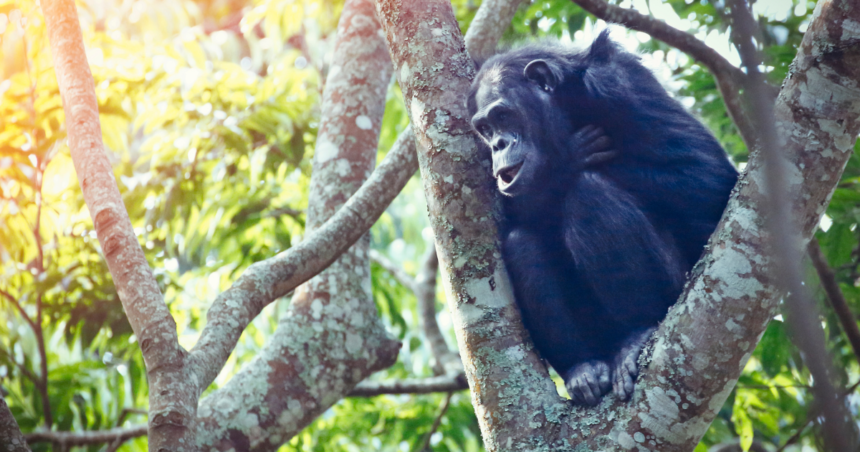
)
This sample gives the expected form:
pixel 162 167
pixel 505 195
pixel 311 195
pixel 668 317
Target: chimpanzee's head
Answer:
pixel 512 111
pixel 526 104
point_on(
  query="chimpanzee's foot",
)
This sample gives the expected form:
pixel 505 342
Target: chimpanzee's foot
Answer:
pixel 626 366
pixel 588 382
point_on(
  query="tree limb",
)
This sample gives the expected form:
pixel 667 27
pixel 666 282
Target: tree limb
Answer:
pixel 139 292
pixel 834 295
pixel 86 438
pixel 398 273
pixel 265 281
pixel 801 318
pixel 444 383
pixel 331 336
pixel 488 25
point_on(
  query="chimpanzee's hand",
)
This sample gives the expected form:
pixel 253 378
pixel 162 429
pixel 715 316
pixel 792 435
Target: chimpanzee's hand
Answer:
pixel 591 147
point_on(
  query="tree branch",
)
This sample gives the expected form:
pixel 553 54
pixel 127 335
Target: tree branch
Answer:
pixel 173 396
pixel 834 295
pixel 24 371
pixel 129 411
pixel 429 385
pixel 728 77
pixel 18 308
pixel 425 444
pixel 801 316
pixel 488 25
pixel 398 273
pixel 331 337
pixel 86 438
pixel 265 281
pixel 137 288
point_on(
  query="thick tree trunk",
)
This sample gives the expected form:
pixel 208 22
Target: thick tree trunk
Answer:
pixel 701 348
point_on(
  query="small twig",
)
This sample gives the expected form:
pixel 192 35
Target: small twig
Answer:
pixel 773 386
pixel 126 411
pixel 411 386
pixel 276 213
pixel 447 361
pixel 24 370
pixel 41 381
pixel 425 445
pixel 19 308
pixel 423 286
pixel 65 439
pixel 398 273
pixel 793 438
pixel 42 385
pixel 835 296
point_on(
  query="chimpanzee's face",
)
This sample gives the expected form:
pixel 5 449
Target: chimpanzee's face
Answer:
pixel 508 116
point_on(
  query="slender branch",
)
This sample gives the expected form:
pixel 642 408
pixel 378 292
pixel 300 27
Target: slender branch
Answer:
pixel 491 20
pixel 276 213
pixel 11 439
pixel 796 436
pixel 42 384
pixel 800 313
pixel 773 386
pixel 423 286
pixel 425 445
pixel 268 280
pixel 728 77
pixel 447 361
pixel 24 370
pixel 19 308
pixel 86 438
pixel 129 411
pixel 398 273
pixel 40 381
pixel 834 295
pixel 443 383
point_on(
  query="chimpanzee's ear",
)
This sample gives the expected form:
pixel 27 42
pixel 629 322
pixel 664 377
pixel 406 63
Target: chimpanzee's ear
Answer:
pixel 602 49
pixel 540 72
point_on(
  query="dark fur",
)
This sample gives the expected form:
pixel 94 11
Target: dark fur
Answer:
pixel 597 255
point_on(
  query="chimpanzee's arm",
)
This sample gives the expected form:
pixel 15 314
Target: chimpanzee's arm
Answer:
pixel 544 291
pixel 635 272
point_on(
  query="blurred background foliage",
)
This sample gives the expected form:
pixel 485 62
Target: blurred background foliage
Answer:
pixel 209 111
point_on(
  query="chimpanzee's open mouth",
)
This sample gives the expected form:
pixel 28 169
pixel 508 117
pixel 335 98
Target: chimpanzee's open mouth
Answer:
pixel 508 174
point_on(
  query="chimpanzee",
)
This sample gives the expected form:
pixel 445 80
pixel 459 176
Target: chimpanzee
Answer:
pixel 611 192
